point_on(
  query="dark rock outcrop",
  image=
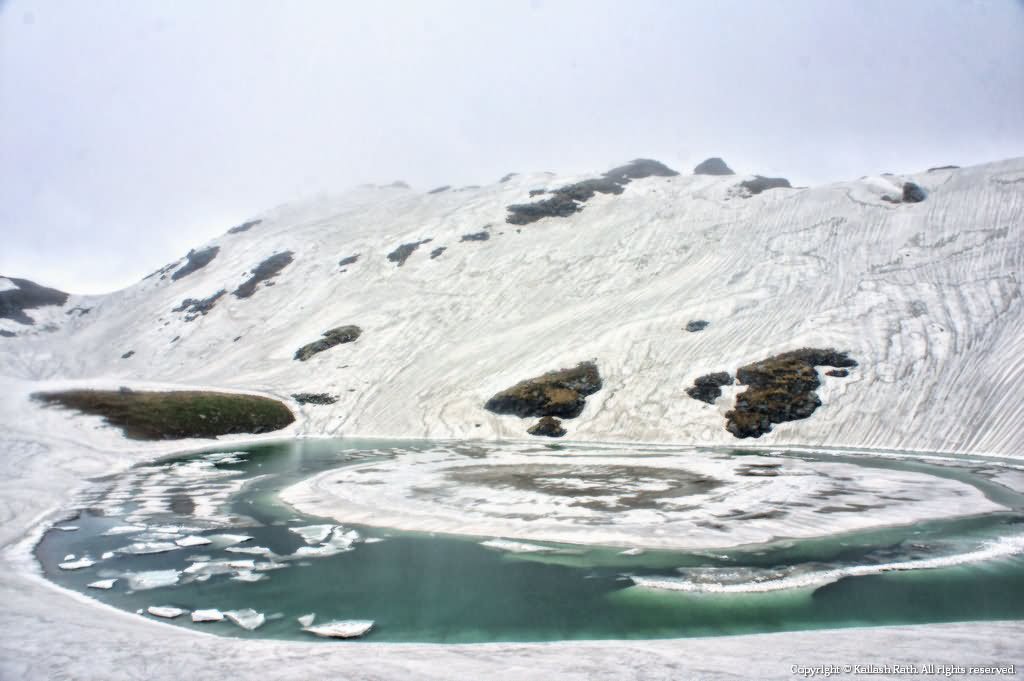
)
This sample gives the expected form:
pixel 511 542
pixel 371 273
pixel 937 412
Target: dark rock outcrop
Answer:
pixel 402 253
pixel 266 270
pixel 708 388
pixel 437 252
pixel 761 184
pixel 128 354
pixel 932 170
pixel 28 296
pixel 336 336
pixel 314 398
pixel 557 393
pixel 178 414
pixel 244 227
pixel 537 192
pixel 837 373
pixel 350 260
pixel 548 426
pixel 196 260
pixel 913 193
pixel 195 307
pixel 713 166
pixel 476 236
pixel 695 325
pixel 781 388
pixel 569 199
pixel 7 334
pixel 508 177
pixel 438 190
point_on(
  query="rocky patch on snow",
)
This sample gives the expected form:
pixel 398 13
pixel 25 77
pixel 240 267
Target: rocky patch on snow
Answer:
pixel 196 260
pixel 759 184
pixel 264 272
pixel 349 260
pixel 197 307
pixel 442 188
pixel 708 388
pixel 402 253
pixel 336 336
pixel 712 166
pixel 244 227
pixel 26 295
pixel 437 252
pixel 482 235
pixel 561 393
pixel 548 426
pixel 695 325
pixel 314 398
pixel 781 388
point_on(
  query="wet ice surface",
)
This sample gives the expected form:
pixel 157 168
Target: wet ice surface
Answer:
pixel 207 535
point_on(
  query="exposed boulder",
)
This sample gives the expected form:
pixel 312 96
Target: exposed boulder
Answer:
pixel 508 177
pixel 557 393
pixel 195 307
pixel 781 388
pixel 476 236
pixel 128 354
pixel 178 414
pixel 336 336
pixel 569 199
pixel 913 193
pixel 548 426
pixel 695 325
pixel 27 296
pixel 266 270
pixel 314 398
pixel 402 253
pixel 837 373
pixel 713 166
pixel 761 184
pixel 196 260
pixel 708 388
pixel 438 190
pixel 350 260
pixel 537 192
pixel 7 334
pixel 437 252
pixel 244 227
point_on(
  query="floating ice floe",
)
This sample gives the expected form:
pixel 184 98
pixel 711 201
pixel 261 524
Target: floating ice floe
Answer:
pixel 70 556
pixel 228 539
pixel 340 541
pixel 211 615
pixel 251 550
pixel 192 540
pixel 373 540
pixel 515 546
pixel 306 620
pixel 166 611
pixel 248 576
pixel 82 562
pixel 142 548
pixel 66 528
pixel 265 565
pixel 103 584
pixel 313 534
pixel 151 579
pixel 341 628
pixel 247 618
pixel 107 555
pixel 124 529
pixel 631 552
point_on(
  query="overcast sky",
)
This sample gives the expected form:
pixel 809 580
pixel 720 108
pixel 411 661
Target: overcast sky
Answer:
pixel 132 131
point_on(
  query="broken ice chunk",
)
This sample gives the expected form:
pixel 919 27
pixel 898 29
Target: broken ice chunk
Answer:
pixel 341 628
pixel 248 576
pixel 228 539
pixel 211 615
pixel 313 534
pixel 82 562
pixel 306 620
pixel 252 550
pixel 247 618
pixel 192 540
pixel 631 552
pixel 151 579
pixel 66 528
pixel 167 611
pixel 102 584
pixel 70 556
pixel 125 529
pixel 107 555
pixel 142 548
pixel 514 546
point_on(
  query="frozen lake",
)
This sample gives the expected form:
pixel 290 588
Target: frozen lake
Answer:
pixel 539 543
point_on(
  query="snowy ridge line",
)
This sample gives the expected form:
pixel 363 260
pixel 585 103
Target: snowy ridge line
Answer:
pixel 1001 548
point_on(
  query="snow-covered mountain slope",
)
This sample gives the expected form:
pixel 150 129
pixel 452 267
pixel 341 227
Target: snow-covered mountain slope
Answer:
pixel 925 296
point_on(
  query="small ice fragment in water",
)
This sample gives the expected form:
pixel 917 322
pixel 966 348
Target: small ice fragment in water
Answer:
pixel 514 546
pixel 211 615
pixel 165 611
pixel 192 540
pixel 341 628
pixel 373 540
pixel 102 584
pixel 228 539
pixel 306 620
pixel 151 579
pixel 251 550
pixel 142 548
pixel 66 528
pixel 248 576
pixel 247 618
pixel 82 562
pixel 124 529
pixel 107 555
pixel 70 556
pixel 631 552
pixel 313 534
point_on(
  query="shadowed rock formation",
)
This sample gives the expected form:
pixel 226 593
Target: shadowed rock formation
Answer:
pixel 548 426
pixel 314 398
pixel 244 227
pixel 708 388
pixel 194 307
pixel 336 336
pixel 761 184
pixel 196 260
pixel 438 251
pixel 913 193
pixel 29 295
pixel 476 236
pixel 402 253
pixel 557 393
pixel 781 388
pixel 695 325
pixel 266 270
pixel 438 190
pixel 713 166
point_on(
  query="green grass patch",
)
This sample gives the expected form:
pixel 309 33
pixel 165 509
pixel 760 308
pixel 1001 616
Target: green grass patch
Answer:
pixel 178 414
